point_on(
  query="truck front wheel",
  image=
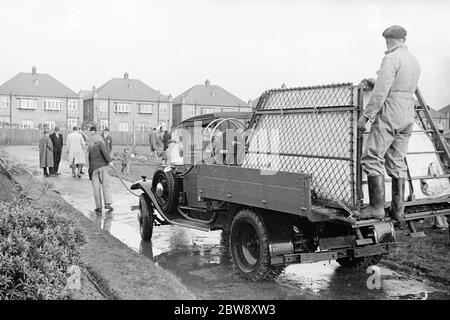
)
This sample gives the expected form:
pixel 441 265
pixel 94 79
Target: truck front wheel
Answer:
pixel 145 218
pixel 249 247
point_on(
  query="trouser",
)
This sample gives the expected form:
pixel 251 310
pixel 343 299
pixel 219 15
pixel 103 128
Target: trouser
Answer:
pixel 386 149
pixel 125 167
pixel 47 172
pixel 100 184
pixel 56 161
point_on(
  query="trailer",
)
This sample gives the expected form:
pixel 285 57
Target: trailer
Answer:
pixel 284 187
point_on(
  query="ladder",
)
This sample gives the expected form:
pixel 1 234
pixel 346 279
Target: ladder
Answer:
pixel 423 114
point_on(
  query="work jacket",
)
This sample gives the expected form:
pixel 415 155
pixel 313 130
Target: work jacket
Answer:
pixel 393 93
pixel 98 157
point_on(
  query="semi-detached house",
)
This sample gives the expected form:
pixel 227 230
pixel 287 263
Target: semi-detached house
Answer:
pixel 123 104
pixel 37 100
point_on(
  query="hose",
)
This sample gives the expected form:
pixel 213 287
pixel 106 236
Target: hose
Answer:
pixel 126 187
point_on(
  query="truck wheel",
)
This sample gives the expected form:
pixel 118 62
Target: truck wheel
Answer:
pixel 361 263
pixel 145 218
pixel 166 189
pixel 249 247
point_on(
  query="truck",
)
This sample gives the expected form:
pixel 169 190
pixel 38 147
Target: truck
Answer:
pixel 283 183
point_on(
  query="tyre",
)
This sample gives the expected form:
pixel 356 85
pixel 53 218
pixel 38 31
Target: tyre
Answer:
pixel 361 263
pixel 165 186
pixel 249 247
pixel 145 218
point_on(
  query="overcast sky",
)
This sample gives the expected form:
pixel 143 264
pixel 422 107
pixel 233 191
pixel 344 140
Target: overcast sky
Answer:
pixel 245 46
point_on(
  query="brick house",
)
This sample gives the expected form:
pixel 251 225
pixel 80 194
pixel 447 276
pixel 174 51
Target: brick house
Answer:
pixel 207 98
pixel 36 100
pixel 124 103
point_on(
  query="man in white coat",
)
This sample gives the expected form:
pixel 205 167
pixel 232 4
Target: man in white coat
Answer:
pixel 75 150
pixel 391 108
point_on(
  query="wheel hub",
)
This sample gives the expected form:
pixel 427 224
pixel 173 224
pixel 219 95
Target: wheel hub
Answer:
pixel 159 189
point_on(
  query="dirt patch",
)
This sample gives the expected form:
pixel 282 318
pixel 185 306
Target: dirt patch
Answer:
pixel 426 257
pixel 118 271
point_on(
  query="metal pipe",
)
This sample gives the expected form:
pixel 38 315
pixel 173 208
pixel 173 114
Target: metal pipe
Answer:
pixel 300 155
pixel 211 220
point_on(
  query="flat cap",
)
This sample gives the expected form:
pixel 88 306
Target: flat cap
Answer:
pixel 93 128
pixel 395 32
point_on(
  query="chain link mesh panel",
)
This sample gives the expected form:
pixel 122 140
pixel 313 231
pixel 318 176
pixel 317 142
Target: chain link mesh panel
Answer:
pixel 319 141
pixel 310 97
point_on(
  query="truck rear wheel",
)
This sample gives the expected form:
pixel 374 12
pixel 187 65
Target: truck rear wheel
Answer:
pixel 145 218
pixel 361 263
pixel 249 247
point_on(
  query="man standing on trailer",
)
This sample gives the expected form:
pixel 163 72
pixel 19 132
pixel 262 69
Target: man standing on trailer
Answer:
pixel 391 108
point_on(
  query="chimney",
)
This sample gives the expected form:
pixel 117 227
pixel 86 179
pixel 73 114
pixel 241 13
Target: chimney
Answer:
pixel 283 86
pixel 250 102
pixel 125 76
pixel 33 70
pixel 93 88
pixel 207 82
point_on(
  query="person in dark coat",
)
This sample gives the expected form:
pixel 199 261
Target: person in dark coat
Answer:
pixel 57 140
pixel 46 152
pixel 166 138
pixel 108 140
pixel 99 160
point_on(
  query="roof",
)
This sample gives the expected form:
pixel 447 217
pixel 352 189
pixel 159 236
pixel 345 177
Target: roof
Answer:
pixel 128 89
pixel 437 114
pixel 36 84
pixel 445 109
pixel 210 95
pixel 207 118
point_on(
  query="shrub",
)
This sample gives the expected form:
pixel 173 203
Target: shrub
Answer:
pixel 37 245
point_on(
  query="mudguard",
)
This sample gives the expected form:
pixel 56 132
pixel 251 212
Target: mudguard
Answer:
pixel 144 185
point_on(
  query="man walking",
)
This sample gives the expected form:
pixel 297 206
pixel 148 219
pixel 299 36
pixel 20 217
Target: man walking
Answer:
pixel 57 140
pixel 391 108
pixel 99 159
pixel 75 150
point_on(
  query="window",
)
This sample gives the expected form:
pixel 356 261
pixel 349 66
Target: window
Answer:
pixel 246 110
pixel 52 105
pixel 4 102
pixel 146 108
pixel 72 105
pixel 103 106
pixel 104 124
pixel 27 103
pixel 4 120
pixel 27 124
pixel 123 126
pixel 206 110
pixel 71 122
pixel 122 108
pixel 144 126
pixel 49 125
pixel 163 108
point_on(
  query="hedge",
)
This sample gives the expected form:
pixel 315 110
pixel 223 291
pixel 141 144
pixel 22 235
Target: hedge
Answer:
pixel 37 246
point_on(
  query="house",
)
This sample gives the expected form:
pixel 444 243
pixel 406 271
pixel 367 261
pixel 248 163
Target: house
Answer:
pixel 442 116
pixel 123 104
pixel 206 98
pixel 37 100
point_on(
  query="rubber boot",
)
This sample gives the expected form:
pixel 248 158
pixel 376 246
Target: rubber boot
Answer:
pixel 398 196
pixel 375 209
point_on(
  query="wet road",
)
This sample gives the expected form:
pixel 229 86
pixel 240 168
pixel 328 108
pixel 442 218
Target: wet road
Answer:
pixel 203 263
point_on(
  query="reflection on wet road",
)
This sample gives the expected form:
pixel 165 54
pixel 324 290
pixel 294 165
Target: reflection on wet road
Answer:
pixel 202 261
